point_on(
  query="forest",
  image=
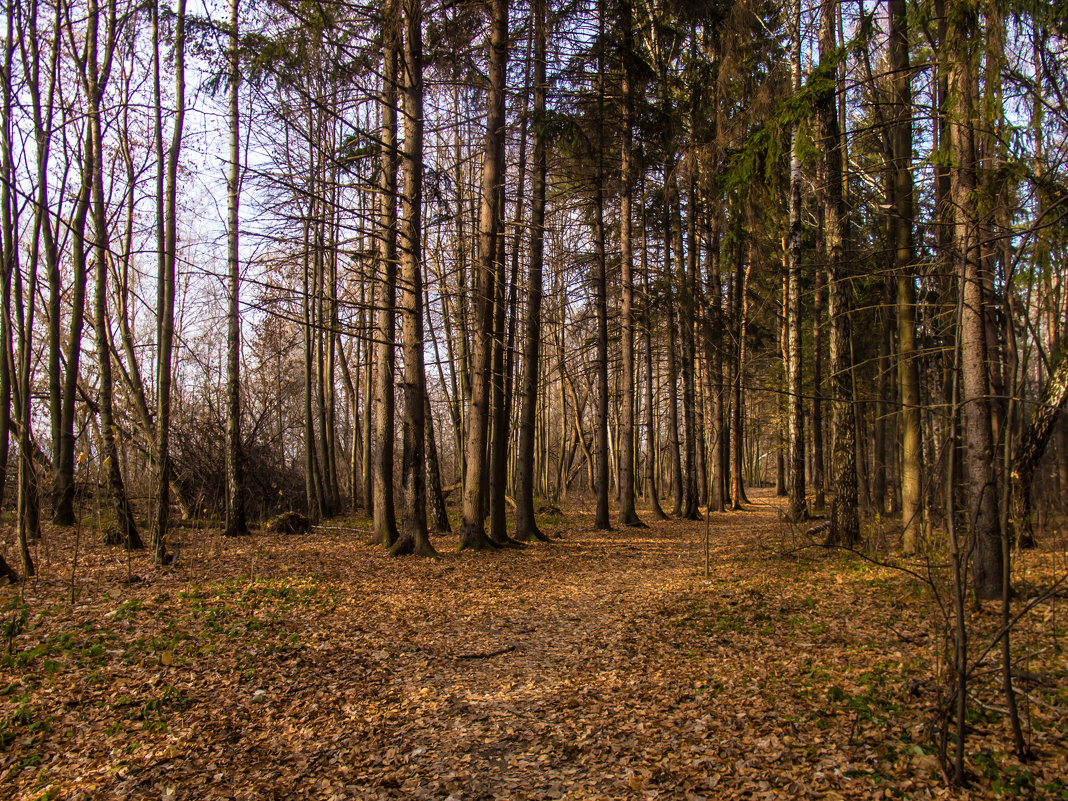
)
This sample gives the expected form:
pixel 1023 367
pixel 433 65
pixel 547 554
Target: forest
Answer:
pixel 517 286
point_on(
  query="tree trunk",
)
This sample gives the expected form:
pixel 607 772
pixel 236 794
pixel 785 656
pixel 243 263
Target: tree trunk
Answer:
pixel 437 513
pixel 795 507
pixel 687 312
pixel 165 308
pixel 43 236
pixel 97 71
pixel 235 490
pixel 526 527
pixel 498 441
pixel 714 359
pixel 740 301
pixel 819 478
pixel 1040 429
pixel 413 535
pixel 369 376
pixel 627 514
pixel 472 530
pixel 880 441
pixel 385 524
pixel 27 527
pixel 674 445
pixel 650 418
pixel 63 482
pixel 904 265
pixel 845 521
pixel 600 300
pixel 976 413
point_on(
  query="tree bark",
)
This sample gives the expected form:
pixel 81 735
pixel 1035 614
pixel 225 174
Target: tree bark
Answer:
pixel 627 514
pixel 740 302
pixel 795 507
pixel 437 513
pixel 650 417
pixel 385 525
pixel 472 530
pixel 165 307
pixel 714 359
pixel 413 535
pixel 526 527
pixel 687 274
pixel 904 265
pixel 1041 426
pixel 235 489
pixel 600 299
pixel 845 520
pixel 980 489
pixel 27 522
pixel 63 439
pixel 97 71
pixel 674 445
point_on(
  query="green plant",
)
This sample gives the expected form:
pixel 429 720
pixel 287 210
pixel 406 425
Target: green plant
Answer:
pixel 16 613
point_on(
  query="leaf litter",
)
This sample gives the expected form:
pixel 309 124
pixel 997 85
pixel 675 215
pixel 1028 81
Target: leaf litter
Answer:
pixel 602 665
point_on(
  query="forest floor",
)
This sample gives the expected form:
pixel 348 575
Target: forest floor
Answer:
pixel 600 665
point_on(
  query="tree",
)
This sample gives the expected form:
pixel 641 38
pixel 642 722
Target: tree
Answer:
pixel 976 413
pixel 902 218
pixel 413 536
pixel 472 530
pixel 96 71
pixel 796 421
pixel 627 514
pixel 600 288
pixel 845 520
pixel 165 301
pixel 385 525
pixel 235 501
pixel 526 528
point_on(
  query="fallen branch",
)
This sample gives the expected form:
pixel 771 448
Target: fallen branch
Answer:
pixel 343 528
pixel 486 654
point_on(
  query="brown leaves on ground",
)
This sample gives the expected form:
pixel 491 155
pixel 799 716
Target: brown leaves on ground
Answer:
pixel 602 665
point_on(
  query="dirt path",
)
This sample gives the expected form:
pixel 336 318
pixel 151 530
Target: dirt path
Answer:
pixel 602 665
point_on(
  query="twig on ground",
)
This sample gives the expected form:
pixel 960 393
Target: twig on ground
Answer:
pixel 486 654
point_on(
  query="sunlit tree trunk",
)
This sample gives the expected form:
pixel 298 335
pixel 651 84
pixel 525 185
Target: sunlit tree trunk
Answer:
pixel 385 525
pixel 674 443
pixel 413 534
pixel 720 451
pixel 795 508
pixel 740 314
pixel 472 530
pixel 651 440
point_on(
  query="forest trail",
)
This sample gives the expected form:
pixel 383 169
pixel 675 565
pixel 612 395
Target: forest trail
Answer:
pixel 601 665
